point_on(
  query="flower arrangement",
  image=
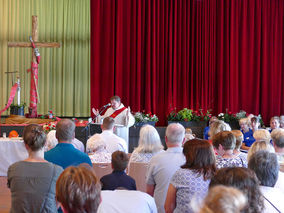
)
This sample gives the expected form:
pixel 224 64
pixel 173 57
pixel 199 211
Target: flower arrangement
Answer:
pixel 189 115
pixel 145 117
pixel 49 115
pixel 228 116
pixel 49 126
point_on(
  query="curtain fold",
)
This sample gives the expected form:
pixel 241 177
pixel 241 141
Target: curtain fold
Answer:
pixel 64 73
pixel 209 54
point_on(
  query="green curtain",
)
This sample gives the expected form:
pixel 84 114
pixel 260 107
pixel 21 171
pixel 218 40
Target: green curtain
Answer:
pixel 64 73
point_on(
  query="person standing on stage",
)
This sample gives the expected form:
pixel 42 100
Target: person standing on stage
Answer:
pixel 120 114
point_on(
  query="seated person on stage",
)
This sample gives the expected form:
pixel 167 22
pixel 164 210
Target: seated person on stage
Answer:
pixel 149 145
pixel 51 142
pixel 266 167
pixel 65 154
pixel 120 114
pixel 113 142
pixel 32 181
pixel 247 132
pixel 98 152
pixel 78 190
pixel 224 144
pixel 118 178
pixel 207 129
pixel 274 123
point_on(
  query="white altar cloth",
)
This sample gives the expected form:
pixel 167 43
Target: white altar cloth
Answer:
pixel 11 151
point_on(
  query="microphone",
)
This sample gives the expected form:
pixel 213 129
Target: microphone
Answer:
pixel 107 105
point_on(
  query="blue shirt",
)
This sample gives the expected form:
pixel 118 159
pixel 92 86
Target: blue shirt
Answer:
pixel 248 138
pixel 205 133
pixel 65 154
pixel 118 179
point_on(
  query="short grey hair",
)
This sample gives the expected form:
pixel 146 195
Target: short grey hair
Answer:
pixel 65 130
pixel 277 136
pixel 266 167
pixel 218 126
pixel 262 135
pixel 175 133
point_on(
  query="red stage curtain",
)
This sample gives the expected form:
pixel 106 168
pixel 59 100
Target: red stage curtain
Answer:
pixel 160 54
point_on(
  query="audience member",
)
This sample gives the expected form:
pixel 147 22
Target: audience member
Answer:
pixel 118 178
pixel 51 142
pixel 262 135
pixel 278 143
pixel 188 135
pixel 259 146
pixel 281 121
pixel 193 178
pixel 239 139
pixel 224 144
pixel 113 142
pixel 247 132
pixel 207 129
pixel 149 145
pixel 274 123
pixel 224 199
pixel 32 181
pixel 78 190
pixel 126 201
pixel 99 152
pixel 164 165
pixel 65 154
pixel 246 181
pixel 255 124
pixel 218 126
pixel 266 167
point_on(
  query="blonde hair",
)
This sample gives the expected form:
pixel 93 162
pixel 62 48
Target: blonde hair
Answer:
pixel 259 146
pixel 51 140
pixel 239 138
pixel 262 135
pixel 149 140
pixel 245 121
pixel 224 199
pixel 218 126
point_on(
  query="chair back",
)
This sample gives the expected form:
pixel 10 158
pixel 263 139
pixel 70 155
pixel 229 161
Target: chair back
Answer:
pixel 5 196
pixel 102 169
pixel 138 172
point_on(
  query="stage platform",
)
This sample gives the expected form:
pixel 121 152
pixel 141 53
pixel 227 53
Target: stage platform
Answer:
pixel 82 134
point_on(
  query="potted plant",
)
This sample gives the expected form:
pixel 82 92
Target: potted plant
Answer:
pixel 16 109
pixel 142 118
pixel 232 118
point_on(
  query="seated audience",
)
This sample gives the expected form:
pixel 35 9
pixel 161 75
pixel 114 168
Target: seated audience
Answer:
pixel 207 129
pixel 99 153
pixel 78 190
pixel 32 181
pixel 188 135
pixel 246 181
pixel 51 142
pixel 218 126
pixel 247 132
pixel 193 178
pixel 274 123
pixel 254 123
pixel 259 146
pixel 118 178
pixel 64 153
pixel 224 199
pixel 163 165
pixel 266 167
pixel 126 201
pixel 239 139
pixel 224 144
pixel 262 135
pixel 278 143
pixel 149 145
pixel 281 121
pixel 113 142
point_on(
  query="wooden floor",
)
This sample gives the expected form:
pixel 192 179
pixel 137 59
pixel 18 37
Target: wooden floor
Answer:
pixel 5 196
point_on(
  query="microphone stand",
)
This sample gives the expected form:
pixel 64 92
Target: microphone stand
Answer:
pixel 89 124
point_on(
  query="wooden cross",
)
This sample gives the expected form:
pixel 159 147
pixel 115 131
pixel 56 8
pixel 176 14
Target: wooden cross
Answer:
pixel 34 77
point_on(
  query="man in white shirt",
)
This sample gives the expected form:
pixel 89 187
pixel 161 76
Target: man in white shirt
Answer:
pixel 126 201
pixel 163 165
pixel 113 142
pixel 266 168
pixel 121 115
